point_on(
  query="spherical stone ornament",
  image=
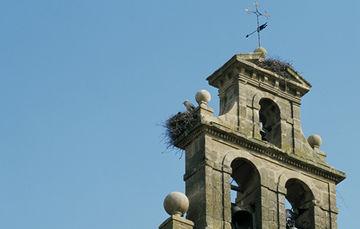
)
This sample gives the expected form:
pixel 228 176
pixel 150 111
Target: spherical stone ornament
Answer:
pixel 314 140
pixel 176 203
pixel 262 51
pixel 202 96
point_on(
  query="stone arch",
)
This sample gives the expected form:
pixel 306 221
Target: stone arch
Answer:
pixel 257 97
pixel 242 154
pixel 270 122
pixel 245 174
pixel 283 178
pixel 256 108
pixel 300 195
pixel 267 107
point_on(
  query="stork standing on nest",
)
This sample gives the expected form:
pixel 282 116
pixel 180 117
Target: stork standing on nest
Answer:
pixel 189 106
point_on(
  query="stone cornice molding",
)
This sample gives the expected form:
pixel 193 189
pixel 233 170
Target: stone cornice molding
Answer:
pixel 233 137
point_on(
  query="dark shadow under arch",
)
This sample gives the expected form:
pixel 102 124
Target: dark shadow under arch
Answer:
pixel 270 122
pixel 246 209
pixel 299 195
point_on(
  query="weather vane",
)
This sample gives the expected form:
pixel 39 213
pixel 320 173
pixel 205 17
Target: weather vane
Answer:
pixel 259 27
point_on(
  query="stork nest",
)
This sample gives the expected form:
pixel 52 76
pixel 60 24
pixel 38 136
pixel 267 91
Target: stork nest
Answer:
pixel 178 124
pixel 277 66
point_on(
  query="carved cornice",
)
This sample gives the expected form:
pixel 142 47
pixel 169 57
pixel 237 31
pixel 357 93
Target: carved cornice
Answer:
pixel 227 135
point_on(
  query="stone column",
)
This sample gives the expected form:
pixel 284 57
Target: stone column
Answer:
pixel 256 121
pixel 269 209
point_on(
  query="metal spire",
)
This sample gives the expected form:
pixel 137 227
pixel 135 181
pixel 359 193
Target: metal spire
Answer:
pixel 259 27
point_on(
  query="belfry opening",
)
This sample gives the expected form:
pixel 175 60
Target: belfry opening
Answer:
pixel 270 125
pixel 301 199
pixel 246 184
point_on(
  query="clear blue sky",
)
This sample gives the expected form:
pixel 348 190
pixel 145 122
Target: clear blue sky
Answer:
pixel 85 86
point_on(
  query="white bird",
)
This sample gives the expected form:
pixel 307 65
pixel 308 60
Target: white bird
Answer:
pixel 189 106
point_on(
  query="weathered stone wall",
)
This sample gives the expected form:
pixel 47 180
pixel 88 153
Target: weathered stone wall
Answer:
pixel 208 172
pixel 239 102
pixel 195 182
pixel 241 89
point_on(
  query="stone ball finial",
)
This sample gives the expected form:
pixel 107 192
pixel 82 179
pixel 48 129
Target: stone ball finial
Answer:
pixel 315 141
pixel 176 203
pixel 262 51
pixel 203 96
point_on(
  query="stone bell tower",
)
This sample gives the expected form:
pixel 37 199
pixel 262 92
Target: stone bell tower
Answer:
pixel 251 166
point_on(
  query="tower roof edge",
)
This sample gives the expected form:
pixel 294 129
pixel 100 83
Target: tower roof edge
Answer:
pixel 275 70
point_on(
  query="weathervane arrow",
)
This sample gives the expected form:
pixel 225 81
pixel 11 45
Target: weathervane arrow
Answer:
pixel 259 27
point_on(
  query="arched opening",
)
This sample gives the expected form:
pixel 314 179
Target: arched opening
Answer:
pixel 301 201
pixel 270 125
pixel 245 185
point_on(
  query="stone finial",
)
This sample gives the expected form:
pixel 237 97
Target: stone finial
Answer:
pixel 262 51
pixel 202 96
pixel 315 141
pixel 176 203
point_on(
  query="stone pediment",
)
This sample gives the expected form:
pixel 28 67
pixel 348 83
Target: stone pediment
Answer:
pixel 256 68
pixel 281 69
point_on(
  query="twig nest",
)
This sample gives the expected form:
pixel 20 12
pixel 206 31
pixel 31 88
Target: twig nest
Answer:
pixel 176 203
pixel 315 141
pixel 262 51
pixel 202 96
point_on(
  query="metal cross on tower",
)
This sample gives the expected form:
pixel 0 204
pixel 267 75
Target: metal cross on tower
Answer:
pixel 259 27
